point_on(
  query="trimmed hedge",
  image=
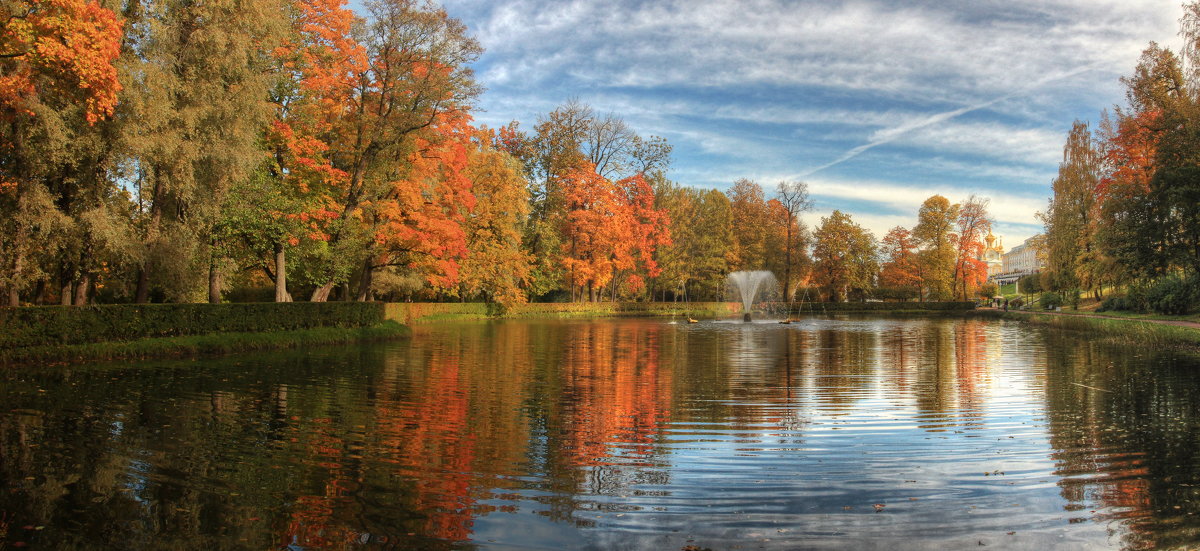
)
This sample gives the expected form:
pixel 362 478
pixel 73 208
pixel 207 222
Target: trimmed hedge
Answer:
pixel 70 325
pixel 202 345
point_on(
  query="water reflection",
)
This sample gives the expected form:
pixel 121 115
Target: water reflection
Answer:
pixel 619 434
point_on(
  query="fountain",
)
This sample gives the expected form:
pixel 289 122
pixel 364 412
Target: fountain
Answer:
pixel 748 285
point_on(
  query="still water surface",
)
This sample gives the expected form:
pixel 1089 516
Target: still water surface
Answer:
pixel 621 434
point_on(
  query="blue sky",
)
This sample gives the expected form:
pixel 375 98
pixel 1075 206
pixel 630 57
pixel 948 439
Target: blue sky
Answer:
pixel 876 104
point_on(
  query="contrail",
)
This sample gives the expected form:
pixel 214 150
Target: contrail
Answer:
pixel 890 134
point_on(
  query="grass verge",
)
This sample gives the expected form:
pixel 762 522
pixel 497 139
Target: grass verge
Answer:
pixel 1121 331
pixel 415 312
pixel 201 345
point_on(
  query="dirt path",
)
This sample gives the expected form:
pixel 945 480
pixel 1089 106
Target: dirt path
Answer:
pixel 1192 324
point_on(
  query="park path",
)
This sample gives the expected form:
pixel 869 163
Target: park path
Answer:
pixel 1178 323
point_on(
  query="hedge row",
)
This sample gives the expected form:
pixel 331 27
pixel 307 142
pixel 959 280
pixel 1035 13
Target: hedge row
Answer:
pixel 201 345
pixel 69 325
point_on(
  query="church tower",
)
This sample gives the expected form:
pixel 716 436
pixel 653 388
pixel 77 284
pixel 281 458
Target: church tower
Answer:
pixel 993 254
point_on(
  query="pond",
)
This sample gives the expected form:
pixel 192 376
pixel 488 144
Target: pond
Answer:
pixel 847 432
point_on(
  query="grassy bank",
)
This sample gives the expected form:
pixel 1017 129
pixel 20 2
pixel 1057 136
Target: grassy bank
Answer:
pixel 201 345
pixel 869 307
pixel 419 312
pixel 1115 330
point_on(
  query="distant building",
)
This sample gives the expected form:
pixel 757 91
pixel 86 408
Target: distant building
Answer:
pixel 1022 260
pixel 992 253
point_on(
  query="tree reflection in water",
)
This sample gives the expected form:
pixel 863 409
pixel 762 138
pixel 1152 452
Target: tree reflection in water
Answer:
pixel 626 433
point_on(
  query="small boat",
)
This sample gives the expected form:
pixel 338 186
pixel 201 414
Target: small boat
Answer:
pixel 690 320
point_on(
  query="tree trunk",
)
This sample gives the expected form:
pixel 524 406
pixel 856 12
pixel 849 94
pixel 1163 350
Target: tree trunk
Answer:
pixel 787 266
pixel 14 294
pixel 82 288
pixel 142 295
pixel 281 292
pixel 64 296
pixel 364 283
pixel 214 283
pixel 322 293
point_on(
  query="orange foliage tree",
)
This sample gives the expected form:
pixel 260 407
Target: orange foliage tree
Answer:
pixel 970 271
pixel 64 47
pixel 418 218
pixel 610 229
pixel 902 267
pixel 382 126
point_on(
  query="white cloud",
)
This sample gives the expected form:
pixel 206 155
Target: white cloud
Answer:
pixel 1008 208
pixel 977 95
pixel 928 52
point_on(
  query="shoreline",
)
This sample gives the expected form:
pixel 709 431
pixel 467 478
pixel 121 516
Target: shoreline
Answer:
pixel 426 312
pixel 1111 329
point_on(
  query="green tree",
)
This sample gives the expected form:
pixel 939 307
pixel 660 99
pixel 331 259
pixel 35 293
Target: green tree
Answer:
pixel 696 262
pixel 200 76
pixel 846 257
pixel 1072 257
pixel 934 233
pixel 58 90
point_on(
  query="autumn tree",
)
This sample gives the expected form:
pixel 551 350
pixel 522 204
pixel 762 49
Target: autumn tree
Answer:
pixel 749 212
pixel 934 233
pixel 612 229
pixel 495 265
pixel 58 81
pixel 377 105
pixel 1072 255
pixel 793 200
pixel 650 228
pixel 902 265
pixel 570 134
pixel 1159 85
pixel 202 73
pixel 845 256
pixel 970 271
pixel 594 230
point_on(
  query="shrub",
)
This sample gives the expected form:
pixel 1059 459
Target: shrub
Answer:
pixel 1137 298
pixel 1051 300
pixel 989 290
pixel 894 293
pixel 1030 284
pixel 1170 295
pixel 1114 304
